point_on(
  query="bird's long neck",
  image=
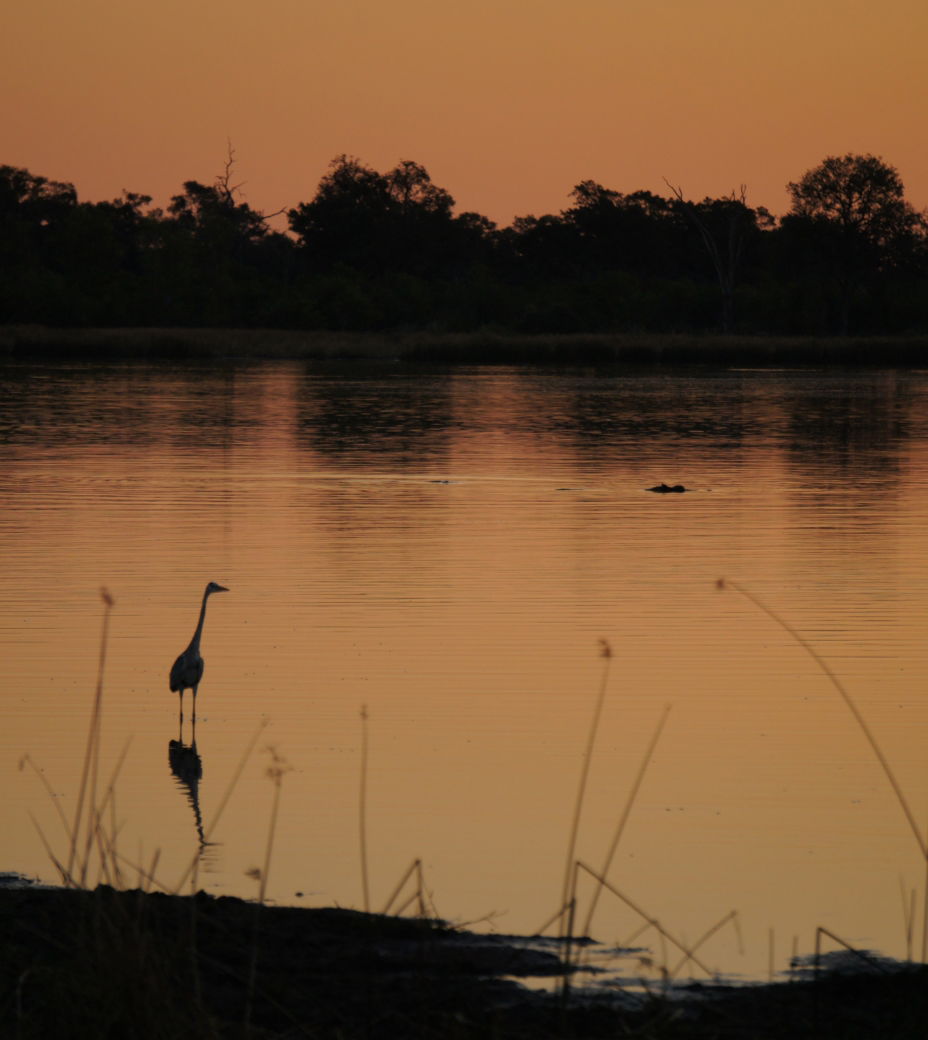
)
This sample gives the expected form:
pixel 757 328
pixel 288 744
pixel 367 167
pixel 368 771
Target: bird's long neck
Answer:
pixel 195 642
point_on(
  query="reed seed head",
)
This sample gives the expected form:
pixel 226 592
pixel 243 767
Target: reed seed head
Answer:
pixel 279 765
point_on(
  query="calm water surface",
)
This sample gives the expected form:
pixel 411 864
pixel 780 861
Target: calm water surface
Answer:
pixel 447 548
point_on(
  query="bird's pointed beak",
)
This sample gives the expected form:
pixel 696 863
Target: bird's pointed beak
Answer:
pixel 220 588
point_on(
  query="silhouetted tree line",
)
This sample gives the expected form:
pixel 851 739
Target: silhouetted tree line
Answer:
pixel 376 250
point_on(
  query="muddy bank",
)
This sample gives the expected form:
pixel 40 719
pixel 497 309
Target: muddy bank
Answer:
pixel 118 964
pixel 108 963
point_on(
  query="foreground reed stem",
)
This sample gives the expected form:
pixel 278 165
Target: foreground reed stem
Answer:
pixel 606 654
pixel 362 811
pixel 623 819
pixel 689 952
pixel 91 752
pixel 414 868
pixel 724 583
pixel 275 773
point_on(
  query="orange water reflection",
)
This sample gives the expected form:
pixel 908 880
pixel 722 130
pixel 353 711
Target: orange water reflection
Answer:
pixel 447 548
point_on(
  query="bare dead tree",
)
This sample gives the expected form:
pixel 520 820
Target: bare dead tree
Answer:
pixel 224 186
pixel 227 191
pixel 725 249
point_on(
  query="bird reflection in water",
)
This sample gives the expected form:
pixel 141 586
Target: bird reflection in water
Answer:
pixel 187 769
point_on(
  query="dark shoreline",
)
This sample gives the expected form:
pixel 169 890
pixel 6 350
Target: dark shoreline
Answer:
pixel 114 964
pixel 32 342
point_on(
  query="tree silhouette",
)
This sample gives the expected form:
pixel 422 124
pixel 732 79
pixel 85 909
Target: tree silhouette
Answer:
pixel 636 232
pixel 380 223
pixel 852 213
pixel 35 214
pixel 374 250
pixel 215 213
pixel 219 257
pixel 411 188
pixel 725 226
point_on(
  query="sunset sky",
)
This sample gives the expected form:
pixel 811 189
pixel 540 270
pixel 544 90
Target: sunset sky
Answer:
pixel 507 103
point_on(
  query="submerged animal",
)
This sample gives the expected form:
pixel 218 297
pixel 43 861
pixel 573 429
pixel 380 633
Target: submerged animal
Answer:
pixel 187 670
pixel 663 489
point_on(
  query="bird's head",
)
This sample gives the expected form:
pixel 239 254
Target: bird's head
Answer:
pixel 213 587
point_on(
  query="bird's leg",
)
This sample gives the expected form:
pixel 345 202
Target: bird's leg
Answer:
pixel 181 714
pixel 194 705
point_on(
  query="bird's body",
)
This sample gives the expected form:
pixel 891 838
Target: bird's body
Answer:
pixel 187 670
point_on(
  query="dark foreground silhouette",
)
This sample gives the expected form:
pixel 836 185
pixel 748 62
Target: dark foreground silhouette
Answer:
pixel 106 964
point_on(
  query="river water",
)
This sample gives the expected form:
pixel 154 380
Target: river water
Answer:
pixel 445 550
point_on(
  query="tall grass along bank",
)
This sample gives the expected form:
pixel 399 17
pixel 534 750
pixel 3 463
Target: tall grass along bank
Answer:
pixel 34 342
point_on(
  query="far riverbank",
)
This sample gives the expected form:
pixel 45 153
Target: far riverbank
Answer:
pixel 33 342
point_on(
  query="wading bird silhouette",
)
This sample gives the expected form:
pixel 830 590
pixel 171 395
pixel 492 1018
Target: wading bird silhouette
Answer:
pixel 187 670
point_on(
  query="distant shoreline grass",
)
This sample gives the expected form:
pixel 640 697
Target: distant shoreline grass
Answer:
pixel 37 342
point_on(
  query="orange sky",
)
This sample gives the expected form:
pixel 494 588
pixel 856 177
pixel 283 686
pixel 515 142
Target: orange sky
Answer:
pixel 507 103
